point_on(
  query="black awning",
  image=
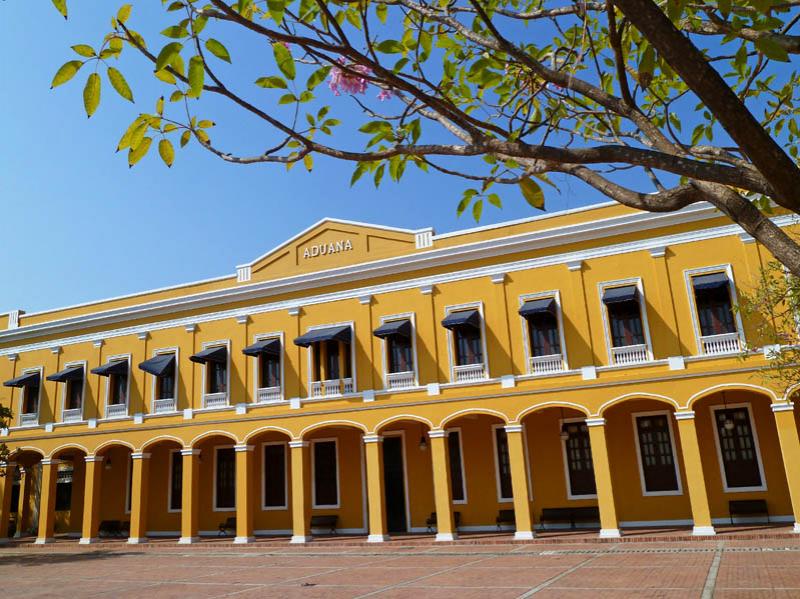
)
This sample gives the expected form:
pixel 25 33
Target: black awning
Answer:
pixel 618 295
pixel 30 379
pixel 71 373
pixel 329 334
pixel 546 305
pixel 217 354
pixel 401 328
pixel 115 367
pixel 161 365
pixel 271 347
pixel 712 281
pixel 462 318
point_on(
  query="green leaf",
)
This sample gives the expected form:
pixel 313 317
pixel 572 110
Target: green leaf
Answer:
pixel 91 94
pixel 284 60
pixel 390 47
pixel 186 136
pixel 124 12
pixel 276 9
pixel 165 76
pixel 166 151
pixel 61 6
pixel 772 49
pixel 137 153
pixel 125 140
pixel 160 106
pixel 308 161
pixel 532 193
pixel 494 200
pixel 176 96
pixel 168 54
pixel 361 168
pixel 119 84
pixel 317 77
pixel 175 32
pixel 218 50
pixel 477 210
pixel 66 72
pixel 646 66
pixel 197 75
pixel 287 99
pixel 84 50
pixel 272 82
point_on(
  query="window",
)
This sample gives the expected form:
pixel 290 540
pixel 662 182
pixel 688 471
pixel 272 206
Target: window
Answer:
pixel 64 488
pixel 275 476
pixel 326 475
pixel 74 394
pixel 468 346
pixel 118 389
pixel 225 479
pixel 544 335
pixel 165 385
pixel 399 353
pixel 626 324
pixel 30 398
pixel 503 464
pixel 217 377
pixel 713 300
pixel 578 456
pixel 269 371
pixel 176 481
pixel 738 448
pixel 457 486
pixel 656 454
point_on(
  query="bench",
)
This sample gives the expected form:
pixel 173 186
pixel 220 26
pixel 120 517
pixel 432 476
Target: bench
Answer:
pixel 329 522
pixel 431 521
pixel 573 515
pixel 748 507
pixel 505 517
pixel 229 524
pixel 110 528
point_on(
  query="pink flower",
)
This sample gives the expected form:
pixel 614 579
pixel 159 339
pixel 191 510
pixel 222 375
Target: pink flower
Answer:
pixel 348 81
pixel 385 94
pixel 285 45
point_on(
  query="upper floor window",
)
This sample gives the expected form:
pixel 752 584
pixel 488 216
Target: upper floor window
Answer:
pixel 397 335
pixel 116 369
pixel 626 327
pixel 215 359
pixel 331 360
pixel 73 378
pixel 715 316
pixel 467 343
pixel 165 388
pixel 267 352
pixel 544 334
pixel 29 383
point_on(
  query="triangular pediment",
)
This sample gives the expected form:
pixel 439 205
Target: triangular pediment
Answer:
pixel 331 243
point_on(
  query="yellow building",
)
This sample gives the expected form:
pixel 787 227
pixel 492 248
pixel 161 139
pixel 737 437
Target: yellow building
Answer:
pixel 579 368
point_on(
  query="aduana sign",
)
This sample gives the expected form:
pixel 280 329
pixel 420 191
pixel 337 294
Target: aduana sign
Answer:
pixel 323 249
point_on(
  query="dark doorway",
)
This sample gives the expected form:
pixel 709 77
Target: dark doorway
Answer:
pixel 394 483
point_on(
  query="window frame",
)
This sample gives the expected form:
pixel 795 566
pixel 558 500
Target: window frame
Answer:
pixel 153 385
pixel 403 449
pixel 496 451
pixel 723 477
pixel 567 481
pixel 214 504
pixel 257 365
pixel 463 468
pixel 118 358
pixel 314 504
pixel 601 288
pixel 410 316
pixel 526 336
pixel 314 348
pixel 689 274
pixel 82 364
pixel 23 393
pixel 204 388
pixel 451 340
pixel 170 509
pixel 263 477
pixel 670 428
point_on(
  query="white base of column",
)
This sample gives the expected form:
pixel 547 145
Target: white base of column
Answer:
pixel 188 540
pixel 299 539
pixel 88 540
pixel 243 540
pixel 703 531
pixel 136 540
pixel 523 535
pixel 796 528
pixel 377 538
pixel 41 541
pixel 446 536
pixel 609 533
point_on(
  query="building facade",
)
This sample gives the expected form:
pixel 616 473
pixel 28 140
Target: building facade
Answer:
pixel 581 367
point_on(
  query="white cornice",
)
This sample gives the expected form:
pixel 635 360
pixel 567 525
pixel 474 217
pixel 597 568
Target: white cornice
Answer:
pixel 421 260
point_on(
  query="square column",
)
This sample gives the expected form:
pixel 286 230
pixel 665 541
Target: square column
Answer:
pixel 301 504
pixel 244 494
pixel 695 479
pixel 376 496
pixel 519 482
pixel 6 484
pixel 445 528
pixel 190 496
pixel 140 483
pixel 91 499
pixel 609 524
pixel 790 451
pixel 47 502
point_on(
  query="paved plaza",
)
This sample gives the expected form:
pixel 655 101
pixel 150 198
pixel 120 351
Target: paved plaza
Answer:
pixel 736 564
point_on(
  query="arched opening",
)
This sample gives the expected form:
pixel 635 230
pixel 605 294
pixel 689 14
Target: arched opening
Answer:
pixel 272 482
pixel 407 476
pixel 25 494
pixel 164 488
pixel 69 464
pixel 115 495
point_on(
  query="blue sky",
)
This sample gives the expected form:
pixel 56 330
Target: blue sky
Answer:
pixel 79 225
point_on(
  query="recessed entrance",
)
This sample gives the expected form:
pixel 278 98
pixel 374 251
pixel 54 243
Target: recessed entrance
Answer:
pixel 394 483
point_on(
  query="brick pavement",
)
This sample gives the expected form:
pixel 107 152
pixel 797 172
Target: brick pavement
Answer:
pixel 737 564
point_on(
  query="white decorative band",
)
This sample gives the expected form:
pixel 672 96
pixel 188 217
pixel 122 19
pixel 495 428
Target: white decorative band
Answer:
pixel 50 461
pixel 684 415
pixel 297 444
pixel 595 422
pixel 513 428
pixel 190 451
pixel 94 458
pixel 373 438
pixel 782 407
pixel 8 464
pixel 437 434
pixel 243 447
pixel 139 455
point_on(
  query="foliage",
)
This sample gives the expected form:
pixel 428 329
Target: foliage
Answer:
pixel 5 422
pixel 492 92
